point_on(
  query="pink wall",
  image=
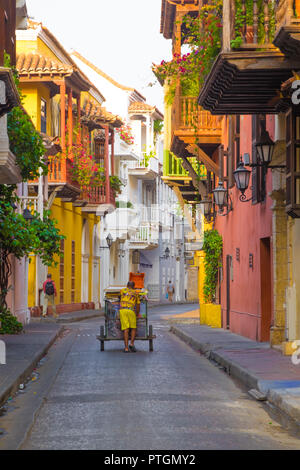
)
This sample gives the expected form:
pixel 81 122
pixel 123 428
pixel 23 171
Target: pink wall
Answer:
pixel 243 228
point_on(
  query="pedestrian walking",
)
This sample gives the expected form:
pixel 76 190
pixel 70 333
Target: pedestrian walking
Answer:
pixel 129 311
pixel 170 291
pixel 50 293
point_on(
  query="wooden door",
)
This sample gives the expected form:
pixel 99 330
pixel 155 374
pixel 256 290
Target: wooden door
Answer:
pixel 266 293
pixel 228 281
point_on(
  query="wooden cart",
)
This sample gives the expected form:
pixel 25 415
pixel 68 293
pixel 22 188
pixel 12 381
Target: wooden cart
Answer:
pixel 111 331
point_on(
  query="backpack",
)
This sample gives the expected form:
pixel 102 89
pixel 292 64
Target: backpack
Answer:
pixel 49 288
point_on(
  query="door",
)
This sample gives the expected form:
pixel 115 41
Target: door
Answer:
pixel 266 293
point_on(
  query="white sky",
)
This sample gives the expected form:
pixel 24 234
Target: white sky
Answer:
pixel 121 37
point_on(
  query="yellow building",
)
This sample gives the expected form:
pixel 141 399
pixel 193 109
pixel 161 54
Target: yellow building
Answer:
pixel 67 109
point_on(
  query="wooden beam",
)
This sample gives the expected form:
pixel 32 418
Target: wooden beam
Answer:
pixel 205 159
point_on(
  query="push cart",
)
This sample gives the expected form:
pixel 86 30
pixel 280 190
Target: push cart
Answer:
pixel 111 331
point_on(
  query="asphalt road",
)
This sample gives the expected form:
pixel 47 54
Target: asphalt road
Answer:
pixel 172 398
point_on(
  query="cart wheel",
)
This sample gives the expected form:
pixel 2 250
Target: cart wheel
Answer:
pixel 150 340
pixel 102 336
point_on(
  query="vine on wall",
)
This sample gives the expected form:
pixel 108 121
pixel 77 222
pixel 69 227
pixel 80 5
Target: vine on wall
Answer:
pixel 212 247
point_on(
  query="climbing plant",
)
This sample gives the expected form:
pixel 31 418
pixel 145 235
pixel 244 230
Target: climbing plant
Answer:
pixel 212 247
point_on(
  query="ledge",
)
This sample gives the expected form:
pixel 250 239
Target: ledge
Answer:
pixel 246 82
pixel 11 92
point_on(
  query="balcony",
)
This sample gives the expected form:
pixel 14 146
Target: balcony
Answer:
pixel 191 124
pixel 146 238
pixel 187 174
pixel 123 223
pixel 246 76
pixel 144 170
pixel 98 202
pixel 61 180
pixel 287 37
pixel 123 151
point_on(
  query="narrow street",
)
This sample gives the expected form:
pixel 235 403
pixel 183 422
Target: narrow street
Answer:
pixel 172 398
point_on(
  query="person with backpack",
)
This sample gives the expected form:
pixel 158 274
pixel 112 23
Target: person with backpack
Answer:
pixel 170 291
pixel 49 295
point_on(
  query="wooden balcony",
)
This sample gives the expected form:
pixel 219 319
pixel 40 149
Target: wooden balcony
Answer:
pixel 247 74
pixel 187 174
pixel 61 180
pixel 287 37
pixel 191 124
pixel 98 202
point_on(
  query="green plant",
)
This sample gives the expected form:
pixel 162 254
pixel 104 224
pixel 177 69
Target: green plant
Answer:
pixel 203 36
pixel 124 205
pixel 9 325
pixel 212 247
pixel 19 238
pixel 115 184
pixel 26 144
pixel 148 156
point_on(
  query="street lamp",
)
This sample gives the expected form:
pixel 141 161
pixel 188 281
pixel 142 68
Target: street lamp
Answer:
pixel 221 196
pixel 265 147
pixel 242 178
pixel 27 215
pixel 207 206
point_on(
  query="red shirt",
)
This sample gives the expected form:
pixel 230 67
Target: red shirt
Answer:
pixel 44 286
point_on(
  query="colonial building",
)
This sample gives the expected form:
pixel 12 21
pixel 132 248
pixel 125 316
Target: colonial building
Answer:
pixel 67 109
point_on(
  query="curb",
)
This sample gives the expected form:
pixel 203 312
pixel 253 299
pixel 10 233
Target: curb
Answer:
pixel 13 387
pixel 79 318
pixel 279 398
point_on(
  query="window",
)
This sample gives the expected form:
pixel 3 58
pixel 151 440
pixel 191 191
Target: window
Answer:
pixel 43 116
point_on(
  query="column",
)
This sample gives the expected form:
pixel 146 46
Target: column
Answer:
pixel 70 119
pixel 63 115
pixel 280 267
pixel 106 165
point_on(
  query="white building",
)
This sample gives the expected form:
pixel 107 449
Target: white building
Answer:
pixel 146 233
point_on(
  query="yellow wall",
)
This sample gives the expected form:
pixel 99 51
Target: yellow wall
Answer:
pixel 70 222
pixel 33 93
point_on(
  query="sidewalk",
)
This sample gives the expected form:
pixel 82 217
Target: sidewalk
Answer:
pixel 23 352
pixel 255 365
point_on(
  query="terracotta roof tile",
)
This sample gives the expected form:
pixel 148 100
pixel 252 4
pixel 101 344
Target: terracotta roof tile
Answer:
pixel 38 64
pixel 138 106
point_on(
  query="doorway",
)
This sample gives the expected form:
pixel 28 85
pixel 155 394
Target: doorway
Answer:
pixel 265 288
pixel 228 280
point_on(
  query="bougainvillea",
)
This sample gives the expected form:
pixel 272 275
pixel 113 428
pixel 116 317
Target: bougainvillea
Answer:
pixel 125 133
pixel 203 37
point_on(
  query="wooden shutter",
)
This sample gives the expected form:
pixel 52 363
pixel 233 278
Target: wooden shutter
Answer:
pixel 258 172
pixel 293 163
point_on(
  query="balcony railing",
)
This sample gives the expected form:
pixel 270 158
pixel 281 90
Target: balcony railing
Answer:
pixel 193 118
pixel 258 22
pixel 60 171
pixel 173 167
pixel 147 234
pixel 151 164
pixel 97 195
